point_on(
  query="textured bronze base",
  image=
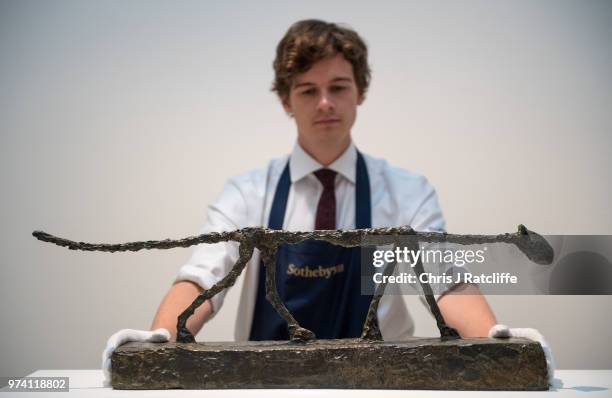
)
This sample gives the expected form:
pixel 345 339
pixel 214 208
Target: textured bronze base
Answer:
pixel 419 363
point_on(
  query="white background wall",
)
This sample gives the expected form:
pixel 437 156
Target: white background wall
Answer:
pixel 121 121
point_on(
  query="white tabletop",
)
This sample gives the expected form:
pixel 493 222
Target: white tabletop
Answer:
pixel 88 383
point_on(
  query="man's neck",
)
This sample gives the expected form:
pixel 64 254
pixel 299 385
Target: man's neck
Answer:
pixel 325 153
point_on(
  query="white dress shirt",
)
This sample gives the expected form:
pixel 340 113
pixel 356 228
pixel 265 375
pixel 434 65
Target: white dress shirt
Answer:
pixel 398 197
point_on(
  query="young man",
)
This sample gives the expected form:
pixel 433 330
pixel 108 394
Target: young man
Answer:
pixel 321 77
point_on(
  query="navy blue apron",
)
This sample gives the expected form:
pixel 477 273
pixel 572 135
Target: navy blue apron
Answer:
pixel 319 283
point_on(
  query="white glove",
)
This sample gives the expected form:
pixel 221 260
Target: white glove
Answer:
pixel 123 336
pixel 503 331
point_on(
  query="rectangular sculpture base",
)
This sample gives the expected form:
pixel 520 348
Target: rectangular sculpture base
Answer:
pixel 419 363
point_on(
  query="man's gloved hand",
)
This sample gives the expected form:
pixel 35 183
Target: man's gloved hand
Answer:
pixel 503 331
pixel 123 336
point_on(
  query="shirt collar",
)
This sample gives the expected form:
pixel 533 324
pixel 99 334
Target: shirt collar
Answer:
pixel 301 163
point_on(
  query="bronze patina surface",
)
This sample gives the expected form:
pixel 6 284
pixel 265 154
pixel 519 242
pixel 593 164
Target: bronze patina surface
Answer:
pixel 419 363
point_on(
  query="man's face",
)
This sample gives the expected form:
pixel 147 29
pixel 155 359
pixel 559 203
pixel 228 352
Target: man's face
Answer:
pixel 323 101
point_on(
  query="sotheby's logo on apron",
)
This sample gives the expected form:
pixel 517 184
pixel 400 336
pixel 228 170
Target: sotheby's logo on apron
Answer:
pixel 314 272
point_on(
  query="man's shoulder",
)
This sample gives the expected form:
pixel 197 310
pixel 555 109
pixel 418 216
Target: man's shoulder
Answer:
pixel 403 197
pixel 257 179
pixel 379 168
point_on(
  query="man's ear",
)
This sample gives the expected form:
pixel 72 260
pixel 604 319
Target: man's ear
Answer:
pixel 286 103
pixel 360 99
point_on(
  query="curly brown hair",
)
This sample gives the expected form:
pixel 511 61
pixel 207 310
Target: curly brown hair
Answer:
pixel 311 40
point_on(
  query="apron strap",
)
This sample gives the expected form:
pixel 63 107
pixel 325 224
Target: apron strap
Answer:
pixel 363 213
pixel 279 205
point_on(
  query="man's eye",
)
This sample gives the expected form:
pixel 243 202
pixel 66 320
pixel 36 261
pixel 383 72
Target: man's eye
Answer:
pixel 337 88
pixel 308 92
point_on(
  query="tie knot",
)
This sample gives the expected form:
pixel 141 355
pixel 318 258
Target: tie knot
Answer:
pixel 327 177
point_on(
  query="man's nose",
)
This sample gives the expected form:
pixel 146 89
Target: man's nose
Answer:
pixel 326 102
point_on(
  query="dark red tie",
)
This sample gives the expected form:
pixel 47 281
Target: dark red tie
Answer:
pixel 326 210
